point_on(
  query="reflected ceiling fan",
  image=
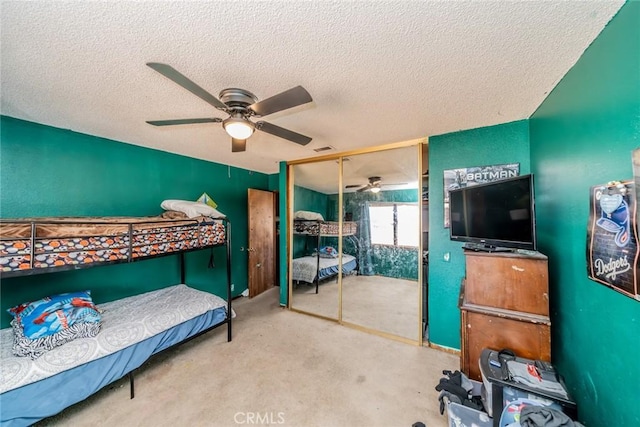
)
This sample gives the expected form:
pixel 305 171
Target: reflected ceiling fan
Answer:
pixel 375 185
pixel 240 104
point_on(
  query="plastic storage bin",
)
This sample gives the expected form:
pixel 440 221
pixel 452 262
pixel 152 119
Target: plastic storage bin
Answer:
pixel 511 413
pixel 491 373
pixel 463 416
pixel 509 395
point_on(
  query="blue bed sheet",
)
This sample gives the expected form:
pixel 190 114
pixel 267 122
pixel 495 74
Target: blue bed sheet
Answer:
pixel 333 270
pixel 30 403
pixel 306 268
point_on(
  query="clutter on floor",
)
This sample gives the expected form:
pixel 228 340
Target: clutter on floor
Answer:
pixel 514 392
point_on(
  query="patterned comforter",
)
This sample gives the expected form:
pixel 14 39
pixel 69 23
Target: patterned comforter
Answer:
pixel 325 228
pixel 61 242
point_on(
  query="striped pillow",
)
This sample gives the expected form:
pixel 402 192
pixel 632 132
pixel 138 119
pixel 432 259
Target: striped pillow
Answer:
pixel 34 348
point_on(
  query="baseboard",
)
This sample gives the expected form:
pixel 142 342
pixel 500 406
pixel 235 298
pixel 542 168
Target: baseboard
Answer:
pixel 442 348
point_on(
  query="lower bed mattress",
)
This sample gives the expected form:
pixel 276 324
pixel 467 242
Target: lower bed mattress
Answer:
pixel 305 268
pixel 133 329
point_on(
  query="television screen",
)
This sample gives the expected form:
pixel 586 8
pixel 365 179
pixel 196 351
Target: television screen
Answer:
pixel 494 215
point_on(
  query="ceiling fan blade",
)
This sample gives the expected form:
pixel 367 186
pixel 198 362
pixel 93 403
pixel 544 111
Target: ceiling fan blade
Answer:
pixel 365 188
pixel 283 133
pixel 183 121
pixel 238 145
pixel 173 74
pixel 282 101
pixel 353 186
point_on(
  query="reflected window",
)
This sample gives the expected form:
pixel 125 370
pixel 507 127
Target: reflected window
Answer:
pixel 394 224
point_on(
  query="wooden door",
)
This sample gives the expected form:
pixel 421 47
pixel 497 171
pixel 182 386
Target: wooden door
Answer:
pixel 262 245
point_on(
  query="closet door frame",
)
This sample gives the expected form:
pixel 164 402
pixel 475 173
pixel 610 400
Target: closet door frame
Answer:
pixel 338 157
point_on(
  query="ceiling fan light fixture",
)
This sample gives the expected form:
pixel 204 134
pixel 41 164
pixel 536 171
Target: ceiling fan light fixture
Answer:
pixel 238 127
pixel 375 189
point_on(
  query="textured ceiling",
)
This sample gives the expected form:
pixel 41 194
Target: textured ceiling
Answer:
pixel 397 169
pixel 379 72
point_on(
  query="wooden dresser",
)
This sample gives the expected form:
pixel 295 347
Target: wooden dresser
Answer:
pixel 504 303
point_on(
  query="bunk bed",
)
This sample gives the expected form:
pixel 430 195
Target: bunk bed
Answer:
pixel 315 268
pixel 132 329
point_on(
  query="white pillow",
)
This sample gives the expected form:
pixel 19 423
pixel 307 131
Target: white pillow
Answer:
pixel 191 209
pixel 308 215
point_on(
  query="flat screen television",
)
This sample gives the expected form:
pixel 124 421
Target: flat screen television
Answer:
pixel 494 215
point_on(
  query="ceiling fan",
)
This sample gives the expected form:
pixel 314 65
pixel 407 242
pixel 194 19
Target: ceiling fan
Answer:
pixel 375 185
pixel 240 104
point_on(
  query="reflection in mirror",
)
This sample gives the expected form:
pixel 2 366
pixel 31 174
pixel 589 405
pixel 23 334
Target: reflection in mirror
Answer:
pixel 314 245
pixel 381 197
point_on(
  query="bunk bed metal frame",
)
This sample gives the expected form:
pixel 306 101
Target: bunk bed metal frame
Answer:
pixel 130 258
pixel 318 226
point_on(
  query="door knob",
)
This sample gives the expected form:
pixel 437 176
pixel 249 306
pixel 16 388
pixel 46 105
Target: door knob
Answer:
pixel 258 265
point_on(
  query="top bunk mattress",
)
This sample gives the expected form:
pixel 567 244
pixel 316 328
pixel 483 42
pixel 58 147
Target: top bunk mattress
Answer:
pixel 324 228
pixel 32 244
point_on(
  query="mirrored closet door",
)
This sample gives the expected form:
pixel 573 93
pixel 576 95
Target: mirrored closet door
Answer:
pixel 381 196
pixel 314 259
pixel 356 225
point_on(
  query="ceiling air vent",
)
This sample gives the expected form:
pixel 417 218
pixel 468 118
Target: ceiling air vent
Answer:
pixel 321 149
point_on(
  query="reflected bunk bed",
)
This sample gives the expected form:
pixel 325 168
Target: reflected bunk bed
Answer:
pixel 314 268
pixel 131 329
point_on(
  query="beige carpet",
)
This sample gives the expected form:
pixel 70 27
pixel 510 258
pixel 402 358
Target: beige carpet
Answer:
pixel 375 302
pixel 282 368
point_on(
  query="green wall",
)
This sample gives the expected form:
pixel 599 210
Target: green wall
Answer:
pixel 305 199
pixel 283 250
pixel 582 135
pixel 501 144
pixel 47 171
pixel 274 182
